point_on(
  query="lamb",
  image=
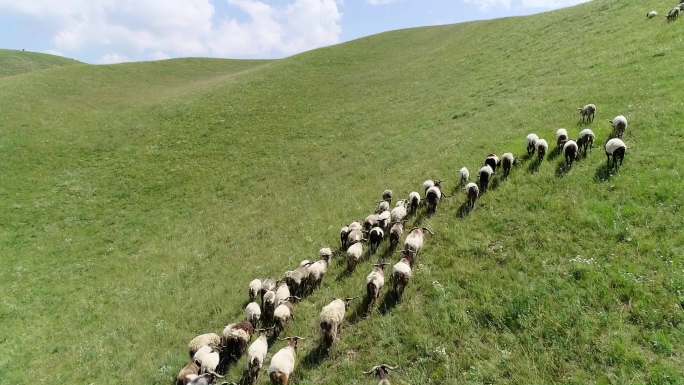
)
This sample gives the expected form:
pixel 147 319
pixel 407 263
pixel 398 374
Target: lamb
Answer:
pixel 395 234
pixel 254 289
pixel 188 373
pixel 374 284
pixel 432 196
pixel 492 161
pixel 542 148
pixel 427 184
pixel 414 202
pixel 253 313
pixel 207 358
pixel 652 14
pixel 587 113
pixel 570 151
pixel 354 253
pixel 472 192
pixel 382 372
pixel 673 14
pixel 282 363
pixel 212 340
pixel 561 138
pixel 399 212
pixel 507 162
pixel 619 124
pixel 586 140
pixel 401 274
pixel 616 149
pixel 282 316
pixel 331 319
pixel 256 354
pixel 485 175
pixel 532 143
pixel 464 176
pixel 375 236
pixel 382 206
pixel 235 340
pixel 414 242
pixel 387 196
pixel 268 304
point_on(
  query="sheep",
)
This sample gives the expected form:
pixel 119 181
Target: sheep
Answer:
pixel 212 340
pixel 354 253
pixel 355 226
pixel 266 285
pixel 432 196
pixel 374 283
pixel 492 161
pixel 652 14
pixel 395 234
pixel 472 192
pixel 282 363
pixel 298 279
pixel 382 206
pixel 507 162
pixel 616 149
pixel 414 202
pixel 268 304
pixel 355 236
pixel 587 113
pixel 235 340
pixel 570 151
pixel 375 237
pixel 325 253
pixel 561 138
pixel 414 242
pixel 586 140
pixel 382 372
pixel 387 196
pixel 207 358
pixel 207 379
pixel 531 144
pixel 188 373
pixel 401 274
pixel 371 221
pixel 317 271
pixel 427 184
pixel 254 289
pixel 464 176
pixel 344 232
pixel 282 315
pixel 282 293
pixel 619 124
pixel 331 318
pixel 485 175
pixel 399 212
pixel 673 14
pixel 256 354
pixel 253 313
pixel 542 148
pixel 384 220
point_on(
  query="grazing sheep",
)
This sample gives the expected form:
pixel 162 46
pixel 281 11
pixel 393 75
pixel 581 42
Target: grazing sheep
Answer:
pixel 375 237
pixel 570 150
pixel 382 206
pixel 432 196
pixel 254 289
pixel 384 220
pixel 652 14
pixel 256 354
pixel 297 280
pixel 282 363
pixel 542 148
pixel 212 340
pixel 507 162
pixel 399 212
pixel 492 161
pixel 235 339
pixel 673 14
pixel 374 283
pixel 387 196
pixel 472 192
pixel 427 184
pixel 532 143
pixel 371 221
pixel 317 271
pixel 188 373
pixel 382 372
pixel 464 176
pixel 282 293
pixel 401 274
pixel 619 124
pixel 331 319
pixel 485 175
pixel 325 253
pixel 414 242
pixel 587 113
pixel 586 140
pixel 561 138
pixel 268 304
pixel 253 313
pixel 344 232
pixel 282 316
pixel 616 149
pixel 207 358
pixel 395 234
pixel 354 253
pixel 414 202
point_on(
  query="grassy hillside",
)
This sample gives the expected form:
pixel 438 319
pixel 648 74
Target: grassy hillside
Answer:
pixel 139 200
pixel 17 62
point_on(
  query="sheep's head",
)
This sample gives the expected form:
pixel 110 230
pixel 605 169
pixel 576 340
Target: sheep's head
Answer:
pixel 348 300
pixel 293 341
pixel 381 371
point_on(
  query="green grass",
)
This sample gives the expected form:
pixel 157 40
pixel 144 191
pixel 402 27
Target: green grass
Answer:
pixel 139 200
pixel 18 62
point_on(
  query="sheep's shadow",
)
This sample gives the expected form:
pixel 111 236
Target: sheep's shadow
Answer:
pixel 534 165
pixel 389 302
pixel 361 311
pixel 316 356
pixel 494 184
pixel 344 274
pixel 420 217
pixel 464 210
pixel 562 169
pixel 602 173
pixel 526 157
pixel 555 153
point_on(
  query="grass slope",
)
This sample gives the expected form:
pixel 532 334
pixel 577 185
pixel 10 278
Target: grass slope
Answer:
pixel 14 62
pixel 139 200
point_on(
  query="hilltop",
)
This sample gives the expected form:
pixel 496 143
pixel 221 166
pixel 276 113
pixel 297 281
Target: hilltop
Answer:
pixel 14 62
pixel 140 199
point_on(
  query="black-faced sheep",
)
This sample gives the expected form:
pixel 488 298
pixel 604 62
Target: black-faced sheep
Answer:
pixel 374 284
pixel 253 313
pixel 472 193
pixel 414 242
pixel 207 358
pixel 375 238
pixel 256 354
pixel 585 142
pixel 399 212
pixel 587 113
pixel 387 196
pixel 384 220
pixel 485 176
pixel 507 162
pixel 282 363
pixel 532 143
pixel 395 234
pixel 382 206
pixel 354 253
pixel 282 315
pixel 188 373
pixel 570 151
pixel 542 148
pixel 331 319
pixel 615 149
pixel 433 195
pixel 427 184
pixel 268 305
pixel 619 124
pixel 401 275
pixel 371 221
pixel 464 176
pixel 344 233
pixel 254 289
pixel 492 161
pixel 382 373
pixel 414 202
pixel 561 138
pixel 673 14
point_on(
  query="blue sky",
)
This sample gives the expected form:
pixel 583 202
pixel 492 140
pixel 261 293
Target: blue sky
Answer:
pixel 110 31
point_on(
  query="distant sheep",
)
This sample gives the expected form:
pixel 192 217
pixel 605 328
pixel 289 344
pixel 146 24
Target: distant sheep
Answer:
pixel 532 144
pixel 561 138
pixel 464 176
pixel 570 151
pixel 472 192
pixel 652 14
pixel 615 149
pixel 374 284
pixel 253 313
pixel 331 318
pixel 381 372
pixel 619 124
pixel 492 161
pixel 485 176
pixel 282 363
pixel 212 340
pixel 387 196
pixel 585 142
pixel 542 148
pixel 507 162
pixel 375 238
pixel 414 202
pixel 587 113
pixel 673 14
pixel 401 275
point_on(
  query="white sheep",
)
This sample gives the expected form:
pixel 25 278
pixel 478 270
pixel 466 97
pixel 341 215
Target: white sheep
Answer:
pixel 282 363
pixel 317 271
pixel 298 279
pixel 253 313
pixel 331 318
pixel 235 339
pixel 433 195
pixel 401 274
pixel 266 285
pixel 427 184
pixel 616 149
pixel 375 237
pixel 395 234
pixel 325 253
pixel 256 354
pixel 587 113
pixel 254 289
pixel 207 379
pixel 188 373
pixel 268 303
pixel 374 284
pixel 485 176
pixel 542 148
pixel 619 124
pixel 282 293
pixel 507 162
pixel 382 206
pixel 207 358
pixel 355 226
pixel 586 140
pixel 532 143
pixel 355 236
pixel 399 212
pixel 652 14
pixel 282 316
pixel 212 340
pixel 492 161
pixel 414 242
pixel 472 193
pixel 414 202
pixel 371 221
pixel 464 176
pixel 561 138
pixel 384 220
pixel 354 253
pixel 381 372
pixel 570 150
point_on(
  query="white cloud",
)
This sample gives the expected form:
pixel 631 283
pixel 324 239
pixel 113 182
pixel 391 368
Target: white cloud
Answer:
pixel 153 29
pixel 111 58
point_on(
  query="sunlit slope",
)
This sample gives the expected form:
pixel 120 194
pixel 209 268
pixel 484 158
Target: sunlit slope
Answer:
pixel 17 62
pixel 141 199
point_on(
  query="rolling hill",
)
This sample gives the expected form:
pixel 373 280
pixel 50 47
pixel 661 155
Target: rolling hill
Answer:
pixel 14 62
pixel 138 201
